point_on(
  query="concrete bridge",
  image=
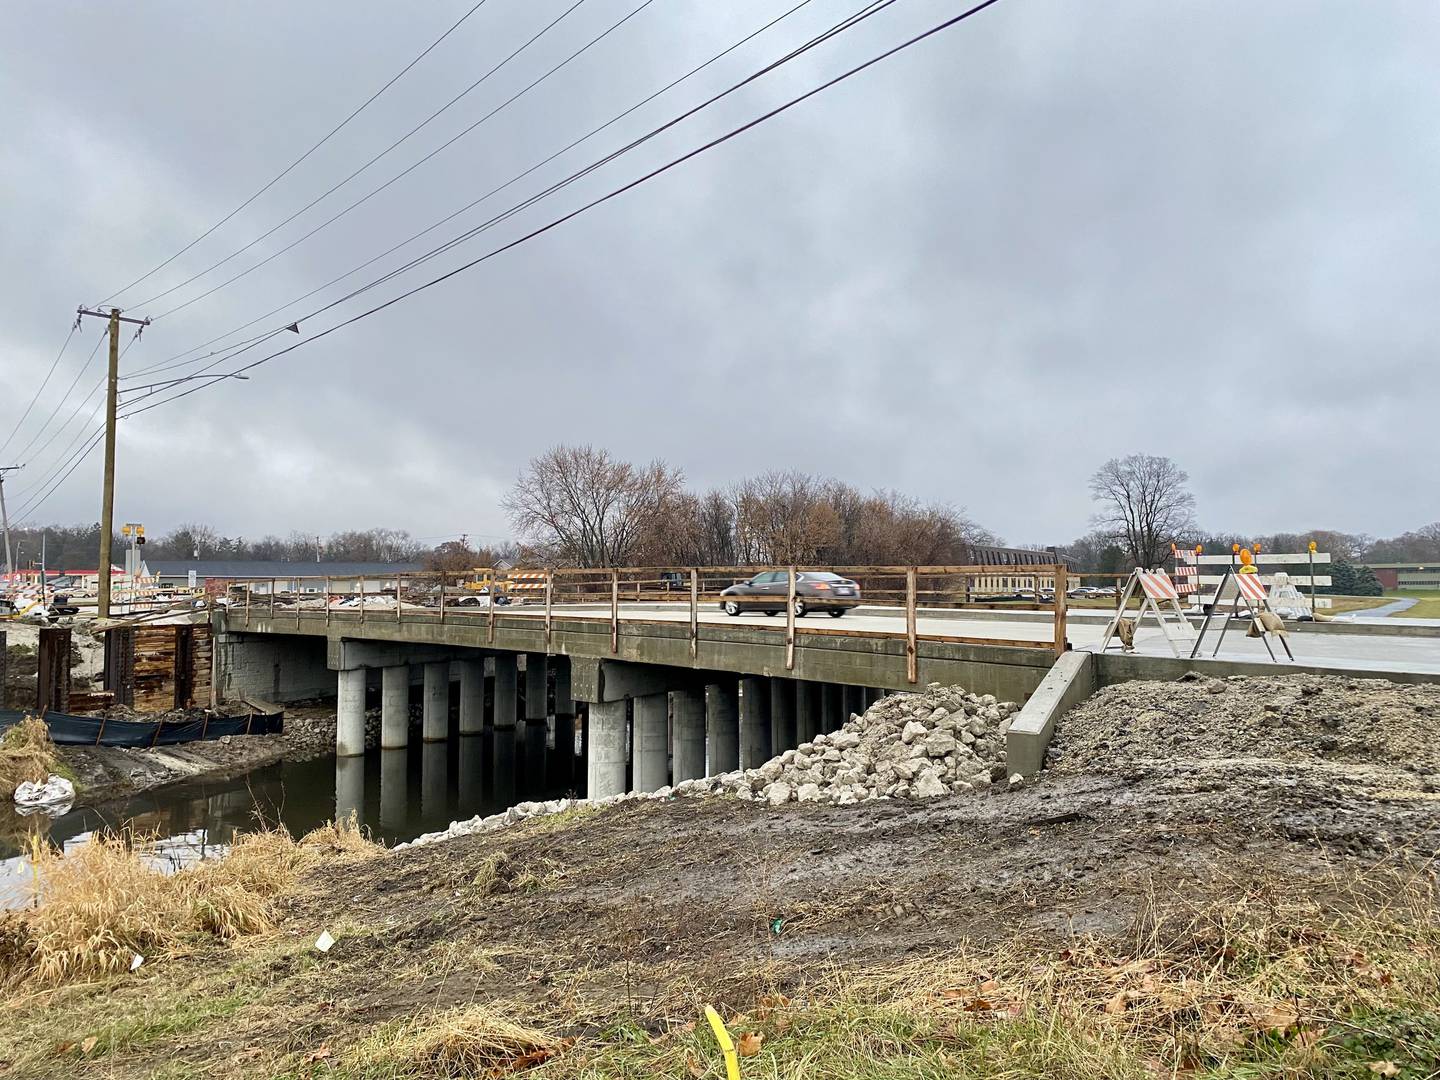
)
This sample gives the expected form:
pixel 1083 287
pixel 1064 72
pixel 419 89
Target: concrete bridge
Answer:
pixel 669 689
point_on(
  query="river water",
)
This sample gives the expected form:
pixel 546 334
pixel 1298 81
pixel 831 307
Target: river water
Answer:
pixel 395 794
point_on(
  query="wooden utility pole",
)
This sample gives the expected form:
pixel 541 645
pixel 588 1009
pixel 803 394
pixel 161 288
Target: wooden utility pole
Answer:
pixel 107 498
pixel 5 521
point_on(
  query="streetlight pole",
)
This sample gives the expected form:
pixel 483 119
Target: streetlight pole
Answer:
pixel 5 520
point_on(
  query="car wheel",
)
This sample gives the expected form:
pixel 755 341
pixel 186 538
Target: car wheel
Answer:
pixel 800 609
pixel 731 607
pixel 835 613
pixel 772 613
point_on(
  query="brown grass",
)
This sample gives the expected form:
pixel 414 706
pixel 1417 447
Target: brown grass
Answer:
pixel 102 904
pixel 26 753
pixel 471 1041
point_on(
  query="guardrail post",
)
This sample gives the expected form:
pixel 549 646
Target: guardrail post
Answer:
pixel 614 611
pixel 694 613
pixel 1060 585
pixel 790 619
pixel 494 598
pixel 912 655
pixel 549 603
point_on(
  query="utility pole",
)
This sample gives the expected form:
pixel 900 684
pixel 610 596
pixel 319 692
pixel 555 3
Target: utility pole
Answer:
pixel 107 498
pixel 5 519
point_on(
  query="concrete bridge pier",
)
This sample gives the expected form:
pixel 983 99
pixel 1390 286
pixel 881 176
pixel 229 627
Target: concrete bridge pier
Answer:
pixel 754 721
pixel 435 722
pixel 507 687
pixel 687 711
pixel 395 706
pixel 782 715
pixel 472 696
pixel 434 767
pixel 650 766
pixel 606 728
pixel 537 711
pixel 722 729
pixel 831 707
pixel 564 721
pixel 807 711
pixel 471 771
pixel 350 788
pixel 350 713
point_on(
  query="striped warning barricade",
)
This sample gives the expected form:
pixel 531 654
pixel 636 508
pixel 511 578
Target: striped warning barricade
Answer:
pixel 1157 585
pixel 1251 587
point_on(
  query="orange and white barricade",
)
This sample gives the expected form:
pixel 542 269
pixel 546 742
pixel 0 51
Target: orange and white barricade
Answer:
pixel 1156 589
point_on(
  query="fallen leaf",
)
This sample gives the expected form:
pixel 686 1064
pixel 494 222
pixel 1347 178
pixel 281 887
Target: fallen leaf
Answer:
pixel 88 1044
pixel 748 1045
pixel 319 1054
pixel 1384 1068
pixel 951 993
pixel 1116 1004
pixel 1277 1017
pixel 782 1025
pixel 989 986
pixel 1309 1036
pixel 978 1005
pixel 693 1067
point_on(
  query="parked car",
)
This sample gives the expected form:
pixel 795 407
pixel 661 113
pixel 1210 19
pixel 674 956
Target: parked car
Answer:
pixel 815 590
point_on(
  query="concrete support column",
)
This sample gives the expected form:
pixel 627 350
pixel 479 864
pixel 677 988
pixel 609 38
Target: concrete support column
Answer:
pixel 687 717
pixel 807 711
pixel 831 707
pixel 434 786
pixel 722 729
pixel 854 698
pixel 564 721
pixel 507 687
pixel 650 764
pixel 872 695
pixel 395 706
pixel 472 697
pixel 471 766
pixel 606 727
pixel 436 723
pixel 350 713
pixel 782 716
pixel 537 710
pixel 754 721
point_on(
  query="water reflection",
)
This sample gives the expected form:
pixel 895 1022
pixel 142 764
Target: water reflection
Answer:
pixel 396 794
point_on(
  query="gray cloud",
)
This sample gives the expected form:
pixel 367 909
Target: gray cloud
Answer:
pixel 1053 235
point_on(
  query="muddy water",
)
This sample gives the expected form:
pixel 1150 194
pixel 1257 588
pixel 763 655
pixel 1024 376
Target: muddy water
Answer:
pixel 396 794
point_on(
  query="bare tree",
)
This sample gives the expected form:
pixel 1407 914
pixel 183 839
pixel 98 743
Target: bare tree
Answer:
pixel 1144 504
pixel 580 506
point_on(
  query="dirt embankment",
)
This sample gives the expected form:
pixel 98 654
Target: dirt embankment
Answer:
pixel 1163 798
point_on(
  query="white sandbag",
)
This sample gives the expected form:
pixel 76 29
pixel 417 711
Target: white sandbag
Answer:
pixel 53 797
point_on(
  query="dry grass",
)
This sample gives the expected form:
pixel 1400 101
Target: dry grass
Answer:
pixel 102 904
pixel 26 753
pixel 471 1041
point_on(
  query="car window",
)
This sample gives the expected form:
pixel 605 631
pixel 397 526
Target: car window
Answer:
pixel 821 575
pixel 761 579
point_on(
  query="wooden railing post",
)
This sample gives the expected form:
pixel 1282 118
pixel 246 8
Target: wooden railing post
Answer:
pixel 912 655
pixel 362 598
pixel 694 613
pixel 1060 588
pixel 442 596
pixel 399 607
pixel 790 619
pixel 272 599
pixel 327 599
pixel 614 611
pixel 494 600
pixel 249 588
pixel 549 605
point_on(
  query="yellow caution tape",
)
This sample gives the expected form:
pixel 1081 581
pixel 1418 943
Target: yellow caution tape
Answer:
pixel 732 1063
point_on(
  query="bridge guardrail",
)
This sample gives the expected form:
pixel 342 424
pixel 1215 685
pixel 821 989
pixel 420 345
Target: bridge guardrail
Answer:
pixel 472 595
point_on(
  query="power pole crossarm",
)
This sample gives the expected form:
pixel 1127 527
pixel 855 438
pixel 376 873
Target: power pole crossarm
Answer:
pixel 107 498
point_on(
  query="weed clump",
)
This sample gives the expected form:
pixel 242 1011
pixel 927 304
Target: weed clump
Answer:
pixel 469 1041
pixel 26 754
pixel 102 904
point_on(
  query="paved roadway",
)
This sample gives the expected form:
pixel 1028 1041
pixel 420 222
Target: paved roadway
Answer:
pixel 1377 652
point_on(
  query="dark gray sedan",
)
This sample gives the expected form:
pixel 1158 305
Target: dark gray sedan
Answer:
pixel 815 590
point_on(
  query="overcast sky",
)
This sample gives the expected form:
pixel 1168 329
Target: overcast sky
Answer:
pixel 1054 234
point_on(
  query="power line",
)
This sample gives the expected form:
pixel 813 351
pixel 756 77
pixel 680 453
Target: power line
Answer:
pixel 867 11
pixel 169 363
pixel 336 187
pixel 411 168
pixel 53 365
pixel 870 9
pixel 64 398
pixel 615 193
pixel 284 172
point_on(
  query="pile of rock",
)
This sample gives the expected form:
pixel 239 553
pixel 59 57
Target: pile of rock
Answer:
pixel 906 746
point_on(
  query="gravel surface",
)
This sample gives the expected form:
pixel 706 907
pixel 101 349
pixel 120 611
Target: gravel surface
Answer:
pixel 1289 718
